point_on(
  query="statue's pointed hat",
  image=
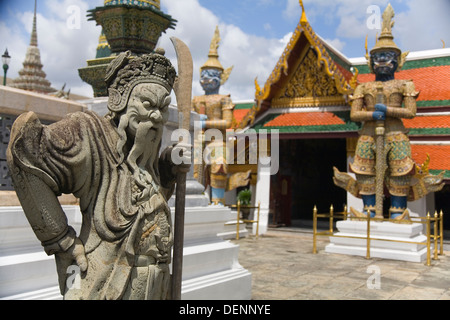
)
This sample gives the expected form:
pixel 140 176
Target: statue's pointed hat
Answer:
pixel 213 58
pixel 386 40
pixel 213 55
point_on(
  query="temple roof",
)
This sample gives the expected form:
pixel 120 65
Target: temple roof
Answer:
pixel 439 157
pixel 31 76
pixel 325 116
pixel 330 78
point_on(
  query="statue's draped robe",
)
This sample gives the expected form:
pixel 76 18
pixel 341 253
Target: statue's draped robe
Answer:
pixel 126 228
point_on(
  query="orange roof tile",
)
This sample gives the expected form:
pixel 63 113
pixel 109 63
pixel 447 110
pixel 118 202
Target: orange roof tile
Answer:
pixel 239 114
pixel 441 121
pixel 432 82
pixel 439 155
pixel 305 119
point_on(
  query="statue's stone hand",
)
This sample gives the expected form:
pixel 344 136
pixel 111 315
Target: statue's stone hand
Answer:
pixel 182 159
pixel 78 253
pixel 64 259
pixel 74 253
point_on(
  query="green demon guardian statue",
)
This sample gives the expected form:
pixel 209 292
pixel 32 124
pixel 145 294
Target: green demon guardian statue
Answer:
pixel 383 151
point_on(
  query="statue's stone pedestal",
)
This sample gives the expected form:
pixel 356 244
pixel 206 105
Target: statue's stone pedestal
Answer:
pixel 26 272
pixel 211 270
pixel 343 242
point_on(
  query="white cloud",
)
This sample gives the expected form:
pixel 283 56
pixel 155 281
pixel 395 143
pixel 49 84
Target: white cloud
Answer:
pixel 292 11
pixel 250 55
pixel 336 43
pixel 65 50
pixel 423 26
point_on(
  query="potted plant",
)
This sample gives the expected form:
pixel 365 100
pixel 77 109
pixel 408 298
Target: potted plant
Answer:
pixel 245 199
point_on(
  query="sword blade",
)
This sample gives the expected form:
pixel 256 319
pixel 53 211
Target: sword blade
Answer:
pixel 183 85
pixel 183 93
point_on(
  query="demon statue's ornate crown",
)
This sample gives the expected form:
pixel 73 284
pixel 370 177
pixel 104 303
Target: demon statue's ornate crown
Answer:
pixel 213 58
pixel 386 40
pixel 125 72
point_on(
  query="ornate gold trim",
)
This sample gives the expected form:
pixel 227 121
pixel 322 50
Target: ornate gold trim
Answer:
pixel 308 102
pixel 305 28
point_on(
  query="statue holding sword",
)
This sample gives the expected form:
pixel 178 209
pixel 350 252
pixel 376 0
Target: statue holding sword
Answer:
pixel 113 164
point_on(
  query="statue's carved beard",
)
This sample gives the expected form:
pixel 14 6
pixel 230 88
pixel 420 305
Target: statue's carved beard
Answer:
pixel 143 156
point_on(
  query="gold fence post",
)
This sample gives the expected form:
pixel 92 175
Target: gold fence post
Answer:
pixel 441 232
pixel 238 217
pixel 368 236
pixel 331 218
pixel 257 223
pixel 435 236
pixel 314 229
pixel 345 212
pixel 428 239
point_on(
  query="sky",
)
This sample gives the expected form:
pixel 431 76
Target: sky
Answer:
pixel 253 33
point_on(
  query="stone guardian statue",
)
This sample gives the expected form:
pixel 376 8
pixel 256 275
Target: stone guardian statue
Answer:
pixel 113 165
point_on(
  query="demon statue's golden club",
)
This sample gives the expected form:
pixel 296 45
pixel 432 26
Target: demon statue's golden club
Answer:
pixel 383 151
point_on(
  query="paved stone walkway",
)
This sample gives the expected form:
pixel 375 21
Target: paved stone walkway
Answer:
pixel 284 268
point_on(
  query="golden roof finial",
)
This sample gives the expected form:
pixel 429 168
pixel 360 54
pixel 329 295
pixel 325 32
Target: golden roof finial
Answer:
pixel 303 19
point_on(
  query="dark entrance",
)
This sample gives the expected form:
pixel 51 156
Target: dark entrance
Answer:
pixel 305 180
pixel 442 202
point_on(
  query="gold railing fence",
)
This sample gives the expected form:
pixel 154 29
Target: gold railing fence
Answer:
pixel 239 207
pixel 437 237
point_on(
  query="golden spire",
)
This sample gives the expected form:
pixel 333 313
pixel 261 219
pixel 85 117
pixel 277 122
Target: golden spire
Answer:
pixel 213 58
pixel 303 19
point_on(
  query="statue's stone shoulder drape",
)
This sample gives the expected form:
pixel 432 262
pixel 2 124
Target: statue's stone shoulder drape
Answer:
pixel 79 155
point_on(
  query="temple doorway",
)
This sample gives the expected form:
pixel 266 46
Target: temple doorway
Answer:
pixel 305 180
